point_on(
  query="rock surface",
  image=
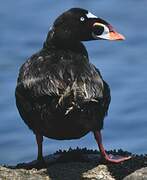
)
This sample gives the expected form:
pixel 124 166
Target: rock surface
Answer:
pixel 78 165
pixel 19 174
pixel 140 174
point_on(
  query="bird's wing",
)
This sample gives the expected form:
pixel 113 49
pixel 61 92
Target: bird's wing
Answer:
pixel 39 77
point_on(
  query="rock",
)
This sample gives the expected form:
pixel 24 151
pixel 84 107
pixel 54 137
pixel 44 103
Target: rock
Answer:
pixel 140 174
pixel 22 174
pixel 62 171
pixel 98 173
pixel 78 165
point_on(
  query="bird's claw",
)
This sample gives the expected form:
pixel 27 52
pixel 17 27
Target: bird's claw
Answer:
pixel 116 158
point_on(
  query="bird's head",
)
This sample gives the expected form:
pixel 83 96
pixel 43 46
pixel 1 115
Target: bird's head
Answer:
pixel 79 24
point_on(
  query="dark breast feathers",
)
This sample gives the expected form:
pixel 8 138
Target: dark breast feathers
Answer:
pixel 63 92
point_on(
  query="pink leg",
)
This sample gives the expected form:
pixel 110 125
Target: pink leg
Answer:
pixel 109 158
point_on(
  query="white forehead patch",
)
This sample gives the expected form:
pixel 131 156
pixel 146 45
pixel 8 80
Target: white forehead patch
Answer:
pixel 90 15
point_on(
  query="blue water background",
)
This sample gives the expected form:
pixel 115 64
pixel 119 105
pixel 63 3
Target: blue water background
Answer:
pixel 23 28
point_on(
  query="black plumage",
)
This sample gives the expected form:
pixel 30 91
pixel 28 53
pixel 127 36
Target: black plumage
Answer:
pixel 59 93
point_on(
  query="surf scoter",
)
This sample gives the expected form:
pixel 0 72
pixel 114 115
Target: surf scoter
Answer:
pixel 59 93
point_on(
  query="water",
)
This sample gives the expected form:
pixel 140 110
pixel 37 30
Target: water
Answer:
pixel 23 28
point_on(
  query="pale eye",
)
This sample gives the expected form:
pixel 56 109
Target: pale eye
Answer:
pixel 82 19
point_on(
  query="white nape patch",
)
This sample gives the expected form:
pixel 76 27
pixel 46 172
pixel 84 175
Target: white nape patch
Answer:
pixel 90 15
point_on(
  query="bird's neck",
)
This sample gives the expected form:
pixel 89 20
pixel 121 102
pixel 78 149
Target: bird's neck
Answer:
pixel 57 43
